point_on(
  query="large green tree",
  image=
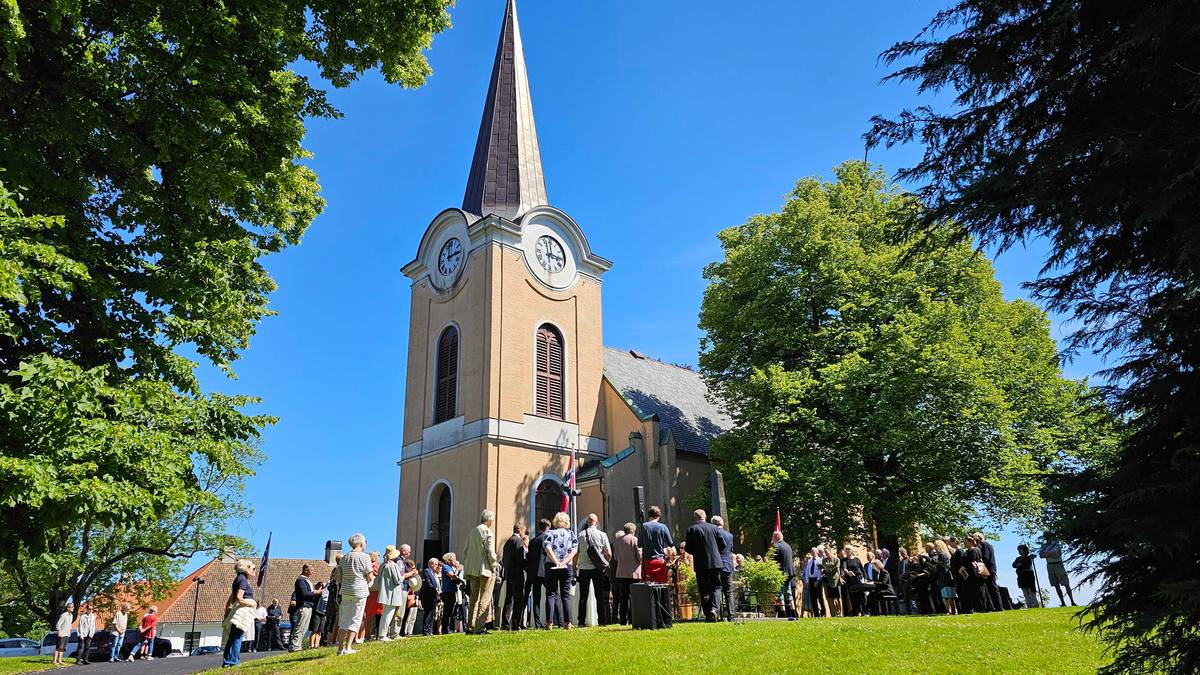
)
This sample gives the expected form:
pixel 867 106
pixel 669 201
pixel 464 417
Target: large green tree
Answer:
pixel 1079 122
pixel 878 386
pixel 157 150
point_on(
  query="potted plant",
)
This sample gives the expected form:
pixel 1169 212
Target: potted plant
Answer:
pixel 691 591
pixel 762 579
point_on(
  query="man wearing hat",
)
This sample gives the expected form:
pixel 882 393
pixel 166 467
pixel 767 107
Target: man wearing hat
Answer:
pixel 306 599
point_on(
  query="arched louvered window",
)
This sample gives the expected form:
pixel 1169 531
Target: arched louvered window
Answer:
pixel 446 390
pixel 549 386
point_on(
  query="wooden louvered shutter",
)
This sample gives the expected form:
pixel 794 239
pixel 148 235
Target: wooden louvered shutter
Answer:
pixel 549 389
pixel 446 395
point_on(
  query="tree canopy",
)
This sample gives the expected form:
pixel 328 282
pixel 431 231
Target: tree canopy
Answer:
pixel 878 385
pixel 1079 122
pixel 152 154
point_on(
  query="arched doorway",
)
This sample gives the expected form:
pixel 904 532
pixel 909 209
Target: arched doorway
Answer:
pixel 547 500
pixel 440 512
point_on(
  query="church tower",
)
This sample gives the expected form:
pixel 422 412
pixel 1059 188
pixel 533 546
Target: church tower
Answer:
pixel 505 358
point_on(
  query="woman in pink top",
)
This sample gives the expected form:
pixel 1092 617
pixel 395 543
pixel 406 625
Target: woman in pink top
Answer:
pixel 629 568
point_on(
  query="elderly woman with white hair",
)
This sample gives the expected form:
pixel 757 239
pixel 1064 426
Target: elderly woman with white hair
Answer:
pixel 353 576
pixel 239 613
pixel 561 546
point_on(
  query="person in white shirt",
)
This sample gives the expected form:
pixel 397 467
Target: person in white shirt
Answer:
pixel 87 631
pixel 594 556
pixel 120 623
pixel 62 632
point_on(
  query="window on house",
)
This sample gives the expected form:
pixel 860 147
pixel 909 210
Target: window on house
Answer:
pixel 549 387
pixel 446 389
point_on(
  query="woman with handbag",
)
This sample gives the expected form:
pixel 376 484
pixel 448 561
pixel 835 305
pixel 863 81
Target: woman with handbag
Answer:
pixel 239 614
pixel 977 573
pixel 392 595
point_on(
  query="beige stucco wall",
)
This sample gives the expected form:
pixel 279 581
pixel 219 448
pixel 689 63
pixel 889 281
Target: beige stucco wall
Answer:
pixel 524 305
pixel 461 468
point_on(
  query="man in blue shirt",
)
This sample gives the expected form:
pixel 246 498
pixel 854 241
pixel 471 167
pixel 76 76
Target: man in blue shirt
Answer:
pixel 812 583
pixel 656 538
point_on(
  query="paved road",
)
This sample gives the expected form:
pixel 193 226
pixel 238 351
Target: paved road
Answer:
pixel 178 666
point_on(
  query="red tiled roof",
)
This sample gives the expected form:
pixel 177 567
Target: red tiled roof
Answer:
pixel 218 577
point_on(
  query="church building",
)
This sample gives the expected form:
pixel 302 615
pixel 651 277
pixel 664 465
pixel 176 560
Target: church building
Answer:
pixel 508 376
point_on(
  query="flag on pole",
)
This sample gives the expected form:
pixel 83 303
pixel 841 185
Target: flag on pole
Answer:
pixel 778 522
pixel 262 564
pixel 568 489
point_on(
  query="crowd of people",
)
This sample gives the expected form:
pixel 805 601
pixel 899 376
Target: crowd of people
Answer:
pixel 370 595
pixel 950 576
pixel 374 596
pixel 89 626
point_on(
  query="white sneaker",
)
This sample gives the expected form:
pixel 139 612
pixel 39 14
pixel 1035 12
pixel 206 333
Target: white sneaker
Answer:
pixel 351 651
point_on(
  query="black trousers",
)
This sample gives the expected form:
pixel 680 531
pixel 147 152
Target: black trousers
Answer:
pixel 513 614
pixel 533 587
pixel 599 579
pixel 558 600
pixel 621 599
pixel 429 617
pixel 726 581
pixel 709 581
pixel 993 593
pixel 816 595
pixel 85 646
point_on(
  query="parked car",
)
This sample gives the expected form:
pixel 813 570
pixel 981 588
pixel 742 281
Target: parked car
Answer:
pixel 206 650
pixel 51 641
pixel 19 647
pixel 102 646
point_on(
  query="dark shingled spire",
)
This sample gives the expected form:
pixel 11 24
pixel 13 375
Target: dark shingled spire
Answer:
pixel 506 174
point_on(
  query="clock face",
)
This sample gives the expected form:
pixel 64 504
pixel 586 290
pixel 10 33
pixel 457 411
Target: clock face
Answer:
pixel 550 254
pixel 450 258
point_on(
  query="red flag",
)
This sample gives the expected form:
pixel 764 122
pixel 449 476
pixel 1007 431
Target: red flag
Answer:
pixel 778 523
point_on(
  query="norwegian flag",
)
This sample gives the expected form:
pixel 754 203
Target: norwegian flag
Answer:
pixel 568 489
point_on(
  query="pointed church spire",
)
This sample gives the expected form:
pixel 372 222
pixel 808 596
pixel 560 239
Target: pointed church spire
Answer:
pixel 506 175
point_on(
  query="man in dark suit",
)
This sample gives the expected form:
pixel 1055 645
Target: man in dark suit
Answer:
pixel 535 571
pixel 786 559
pixel 726 575
pixel 704 542
pixel 431 590
pixel 989 560
pixel 512 561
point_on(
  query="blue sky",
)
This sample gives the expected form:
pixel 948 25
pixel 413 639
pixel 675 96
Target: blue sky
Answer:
pixel 660 124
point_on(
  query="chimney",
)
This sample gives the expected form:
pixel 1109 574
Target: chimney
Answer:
pixel 333 549
pixel 228 555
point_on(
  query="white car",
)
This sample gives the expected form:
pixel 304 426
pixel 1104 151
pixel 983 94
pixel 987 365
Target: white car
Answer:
pixel 18 647
pixel 51 641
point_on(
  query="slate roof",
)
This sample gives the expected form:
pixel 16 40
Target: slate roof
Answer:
pixel 506 173
pixel 677 395
pixel 218 577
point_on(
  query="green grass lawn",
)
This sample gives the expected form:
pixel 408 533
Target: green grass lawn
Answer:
pixel 25 664
pixel 1038 641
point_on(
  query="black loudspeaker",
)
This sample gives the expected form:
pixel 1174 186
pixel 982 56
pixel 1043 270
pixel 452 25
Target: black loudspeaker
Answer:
pixel 639 504
pixel 650 606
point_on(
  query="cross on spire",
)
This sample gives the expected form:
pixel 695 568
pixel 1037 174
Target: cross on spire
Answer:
pixel 506 174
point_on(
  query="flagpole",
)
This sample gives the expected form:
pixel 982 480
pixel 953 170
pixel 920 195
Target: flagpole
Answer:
pixel 574 515
pixel 264 562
